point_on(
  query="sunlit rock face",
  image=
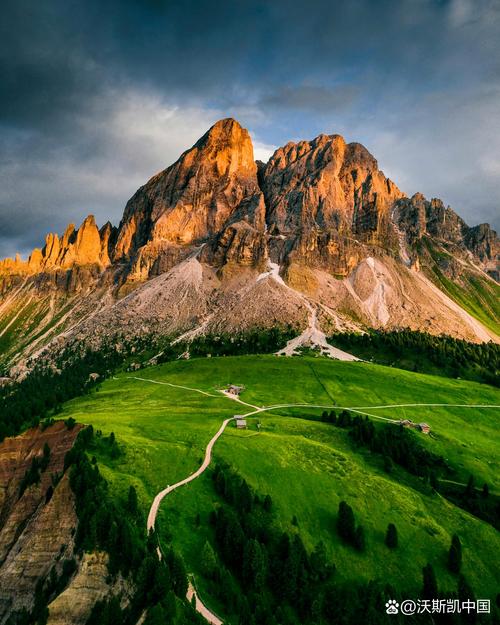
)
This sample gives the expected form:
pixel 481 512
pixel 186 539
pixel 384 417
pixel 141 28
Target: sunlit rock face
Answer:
pixel 221 241
pixel 328 184
pixel 325 197
pixel 419 218
pixel 318 202
pixel 85 246
pixel 211 184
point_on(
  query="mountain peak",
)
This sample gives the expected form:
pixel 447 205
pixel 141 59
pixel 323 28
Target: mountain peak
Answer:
pixel 228 145
pixel 225 130
pixel 327 183
pixel 227 125
pixel 193 198
pixel 319 217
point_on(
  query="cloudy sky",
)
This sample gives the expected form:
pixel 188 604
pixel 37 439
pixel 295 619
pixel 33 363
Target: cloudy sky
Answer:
pixel 98 95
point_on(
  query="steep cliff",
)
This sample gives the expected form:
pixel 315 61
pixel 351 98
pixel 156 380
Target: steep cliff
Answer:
pixel 85 246
pixel 212 184
pixel 418 219
pixel 326 183
pixel 41 568
pixel 30 549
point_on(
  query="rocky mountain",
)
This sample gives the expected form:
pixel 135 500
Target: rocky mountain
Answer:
pixel 318 236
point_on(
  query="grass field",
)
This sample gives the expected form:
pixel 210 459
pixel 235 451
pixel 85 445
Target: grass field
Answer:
pixel 307 467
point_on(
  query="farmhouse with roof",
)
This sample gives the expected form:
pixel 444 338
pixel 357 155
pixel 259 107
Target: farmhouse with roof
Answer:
pixel 425 428
pixel 241 423
pixel 235 389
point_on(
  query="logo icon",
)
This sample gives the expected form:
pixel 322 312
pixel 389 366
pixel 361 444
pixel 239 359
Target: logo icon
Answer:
pixel 392 607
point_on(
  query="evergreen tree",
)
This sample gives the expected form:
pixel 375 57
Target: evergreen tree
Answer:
pixel 169 607
pixel 132 505
pixel 208 561
pixel 245 498
pixel 319 563
pixel 469 489
pixel 268 503
pixel 220 482
pixel 346 526
pixel 161 581
pixel 391 536
pixel 429 588
pixel 70 423
pixel 455 555
pixel 359 538
pixel 178 573
pixel 254 565
pixel 388 465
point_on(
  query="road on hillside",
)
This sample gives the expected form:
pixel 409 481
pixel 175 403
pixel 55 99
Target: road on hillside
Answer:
pixel 212 618
pixel 153 511
pixel 200 607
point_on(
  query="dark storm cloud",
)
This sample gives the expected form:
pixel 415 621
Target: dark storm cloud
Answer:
pixel 97 96
pixel 312 98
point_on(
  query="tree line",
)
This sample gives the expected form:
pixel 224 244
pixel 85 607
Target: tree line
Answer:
pixel 253 341
pixel 426 353
pixel 79 369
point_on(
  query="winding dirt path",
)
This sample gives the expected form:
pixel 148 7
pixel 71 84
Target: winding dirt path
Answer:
pixel 153 511
pixel 186 388
pixel 200 607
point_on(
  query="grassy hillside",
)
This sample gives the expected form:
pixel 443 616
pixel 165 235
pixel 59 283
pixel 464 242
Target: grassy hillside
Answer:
pixel 26 320
pixel 306 466
pixel 476 294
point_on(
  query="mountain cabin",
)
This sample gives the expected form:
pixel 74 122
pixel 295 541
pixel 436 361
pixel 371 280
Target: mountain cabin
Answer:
pixel 234 389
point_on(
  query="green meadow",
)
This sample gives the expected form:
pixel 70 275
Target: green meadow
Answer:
pixel 306 466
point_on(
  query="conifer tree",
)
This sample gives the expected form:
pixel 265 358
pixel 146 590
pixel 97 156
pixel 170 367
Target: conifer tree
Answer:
pixel 429 588
pixel 208 561
pixel 132 505
pixel 455 555
pixel 391 536
pixel 359 538
pixel 268 503
pixel 469 489
pixel 345 522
